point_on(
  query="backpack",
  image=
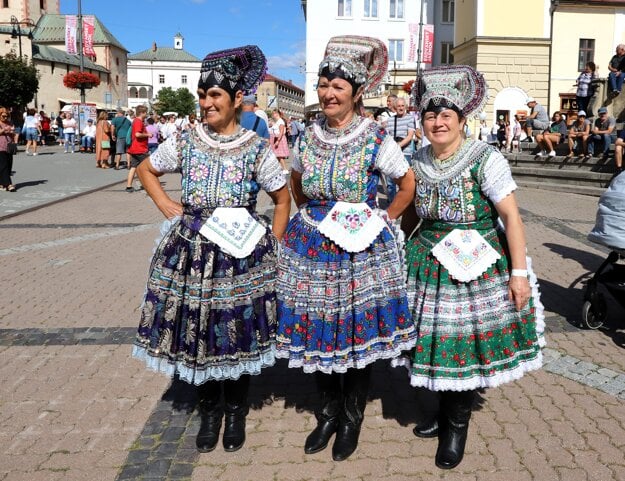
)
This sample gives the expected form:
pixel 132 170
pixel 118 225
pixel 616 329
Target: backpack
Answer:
pixel 129 136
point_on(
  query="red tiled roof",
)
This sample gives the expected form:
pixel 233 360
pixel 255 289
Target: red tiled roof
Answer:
pixel 288 83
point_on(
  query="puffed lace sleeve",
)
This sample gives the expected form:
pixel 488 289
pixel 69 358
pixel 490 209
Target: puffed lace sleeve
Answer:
pixel 269 172
pixel 496 178
pixel 167 157
pixel 390 160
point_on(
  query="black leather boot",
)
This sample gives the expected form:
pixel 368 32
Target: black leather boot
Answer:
pixel 428 428
pixel 329 388
pixel 428 406
pixel 235 393
pixel 452 436
pixel 355 389
pixel 210 416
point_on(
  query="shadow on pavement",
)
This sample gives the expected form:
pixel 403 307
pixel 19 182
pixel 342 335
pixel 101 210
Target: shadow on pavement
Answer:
pixel 399 400
pixel 30 183
pixel 588 260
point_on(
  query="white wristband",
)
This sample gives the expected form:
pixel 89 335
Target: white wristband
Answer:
pixel 518 273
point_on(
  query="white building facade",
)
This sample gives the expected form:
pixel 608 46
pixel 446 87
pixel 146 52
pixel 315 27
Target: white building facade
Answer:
pixel 151 70
pixel 396 22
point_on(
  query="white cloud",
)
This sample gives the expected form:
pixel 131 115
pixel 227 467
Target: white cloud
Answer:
pixel 286 60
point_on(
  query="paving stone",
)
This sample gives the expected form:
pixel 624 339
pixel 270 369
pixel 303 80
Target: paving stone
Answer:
pixel 72 389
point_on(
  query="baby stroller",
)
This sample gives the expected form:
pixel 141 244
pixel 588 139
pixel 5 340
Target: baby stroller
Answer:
pixel 609 231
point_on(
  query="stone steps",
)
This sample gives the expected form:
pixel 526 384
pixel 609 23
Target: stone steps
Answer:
pixel 576 175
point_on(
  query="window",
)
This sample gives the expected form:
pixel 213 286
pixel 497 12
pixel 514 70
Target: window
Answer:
pixel 345 8
pixel 371 8
pixel 396 50
pixel 446 56
pixel 161 79
pixel 42 4
pixel 116 79
pixel 5 3
pixel 448 11
pixel 396 9
pixel 183 80
pixel 117 61
pixel 586 52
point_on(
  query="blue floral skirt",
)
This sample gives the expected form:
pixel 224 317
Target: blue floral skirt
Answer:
pixel 336 309
pixel 207 315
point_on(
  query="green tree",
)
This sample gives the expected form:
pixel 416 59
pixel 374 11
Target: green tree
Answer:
pixel 19 81
pixel 179 100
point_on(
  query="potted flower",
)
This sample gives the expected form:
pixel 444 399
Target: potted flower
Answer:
pixel 407 87
pixel 80 80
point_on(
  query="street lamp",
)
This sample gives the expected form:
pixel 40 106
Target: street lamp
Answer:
pixel 16 31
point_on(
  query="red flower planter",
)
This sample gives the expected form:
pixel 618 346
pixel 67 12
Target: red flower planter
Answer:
pixel 77 80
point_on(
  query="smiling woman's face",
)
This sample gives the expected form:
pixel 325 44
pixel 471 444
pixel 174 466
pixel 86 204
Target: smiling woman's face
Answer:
pixel 219 109
pixel 444 128
pixel 335 98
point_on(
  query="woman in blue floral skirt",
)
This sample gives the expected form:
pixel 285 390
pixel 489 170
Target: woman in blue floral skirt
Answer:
pixel 341 292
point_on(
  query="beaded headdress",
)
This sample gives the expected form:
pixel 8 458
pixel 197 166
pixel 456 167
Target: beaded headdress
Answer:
pixel 459 85
pixel 363 60
pixel 241 68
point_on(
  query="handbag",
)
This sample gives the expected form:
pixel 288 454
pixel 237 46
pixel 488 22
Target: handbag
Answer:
pixel 12 148
pixel 105 144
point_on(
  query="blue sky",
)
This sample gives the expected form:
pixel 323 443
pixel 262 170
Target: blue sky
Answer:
pixel 276 26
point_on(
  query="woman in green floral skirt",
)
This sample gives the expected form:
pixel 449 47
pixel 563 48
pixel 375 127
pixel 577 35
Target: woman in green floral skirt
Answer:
pixel 473 294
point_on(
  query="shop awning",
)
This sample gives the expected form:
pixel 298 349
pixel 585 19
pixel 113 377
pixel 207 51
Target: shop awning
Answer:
pixel 98 105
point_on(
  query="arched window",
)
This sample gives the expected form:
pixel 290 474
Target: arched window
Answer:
pixel 132 92
pixel 143 93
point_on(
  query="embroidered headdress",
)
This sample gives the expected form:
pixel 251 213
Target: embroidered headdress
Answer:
pixel 241 68
pixel 363 60
pixel 458 85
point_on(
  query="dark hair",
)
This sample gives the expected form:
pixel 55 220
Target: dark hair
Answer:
pixel 592 66
pixel 339 73
pixel 440 105
pixel 150 120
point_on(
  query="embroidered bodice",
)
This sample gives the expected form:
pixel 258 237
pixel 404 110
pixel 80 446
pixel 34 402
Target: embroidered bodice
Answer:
pixel 345 164
pixel 463 188
pixel 217 170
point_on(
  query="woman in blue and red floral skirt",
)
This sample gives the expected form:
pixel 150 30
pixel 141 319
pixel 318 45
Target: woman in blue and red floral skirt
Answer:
pixel 341 291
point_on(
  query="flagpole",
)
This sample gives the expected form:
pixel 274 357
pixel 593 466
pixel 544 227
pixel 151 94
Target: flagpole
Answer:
pixel 419 44
pixel 80 51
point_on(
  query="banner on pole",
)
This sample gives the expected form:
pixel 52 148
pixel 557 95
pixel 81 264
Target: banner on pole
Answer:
pixel 88 30
pixel 413 30
pixel 70 34
pixel 428 43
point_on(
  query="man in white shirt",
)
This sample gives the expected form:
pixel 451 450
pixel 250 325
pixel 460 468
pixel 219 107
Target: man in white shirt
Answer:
pixel 88 137
pixel 169 128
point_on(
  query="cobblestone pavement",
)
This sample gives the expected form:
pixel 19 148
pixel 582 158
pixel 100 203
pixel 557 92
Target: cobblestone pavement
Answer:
pixel 75 406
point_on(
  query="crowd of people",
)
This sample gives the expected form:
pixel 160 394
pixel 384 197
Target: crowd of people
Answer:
pixel 335 287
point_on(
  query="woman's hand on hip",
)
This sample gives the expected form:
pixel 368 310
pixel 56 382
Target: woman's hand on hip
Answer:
pixel 170 208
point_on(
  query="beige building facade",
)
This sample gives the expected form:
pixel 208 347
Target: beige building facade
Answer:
pixel 42 40
pixel 581 31
pixel 275 93
pixel 509 42
pixel 535 48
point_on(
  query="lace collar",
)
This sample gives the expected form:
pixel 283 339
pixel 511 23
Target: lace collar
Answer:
pixel 342 135
pixel 431 169
pixel 213 139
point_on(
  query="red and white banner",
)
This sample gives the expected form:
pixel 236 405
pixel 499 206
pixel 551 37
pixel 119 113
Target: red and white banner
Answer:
pixel 428 43
pixel 88 29
pixel 413 29
pixel 70 34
